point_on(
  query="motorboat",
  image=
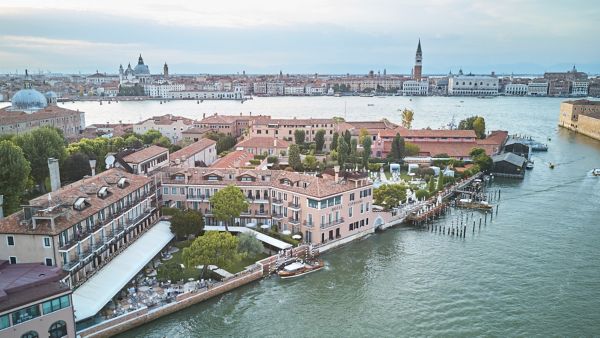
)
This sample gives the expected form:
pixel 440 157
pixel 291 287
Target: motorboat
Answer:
pixel 529 165
pixel 473 204
pixel 596 172
pixel 300 268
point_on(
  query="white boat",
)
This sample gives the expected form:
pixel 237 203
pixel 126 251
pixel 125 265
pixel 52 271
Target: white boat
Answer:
pixel 596 171
pixel 529 165
pixel 300 268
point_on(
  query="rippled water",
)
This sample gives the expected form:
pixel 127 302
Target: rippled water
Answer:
pixel 533 271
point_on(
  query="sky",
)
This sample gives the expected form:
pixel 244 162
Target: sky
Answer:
pixel 308 36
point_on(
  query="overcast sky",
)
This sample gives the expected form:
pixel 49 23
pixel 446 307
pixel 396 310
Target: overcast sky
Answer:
pixel 308 36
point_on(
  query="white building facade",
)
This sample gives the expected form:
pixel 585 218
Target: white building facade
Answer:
pixel 579 88
pixel 415 88
pixel 204 95
pixel 162 89
pixel 471 85
pixel 517 89
pixel 537 89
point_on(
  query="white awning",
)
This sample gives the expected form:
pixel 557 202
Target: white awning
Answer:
pixel 95 293
pixel 259 235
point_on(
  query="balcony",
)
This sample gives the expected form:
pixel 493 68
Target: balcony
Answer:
pixel 72 265
pixel 277 216
pixel 252 199
pixel 293 205
pixel 276 201
pixel 293 221
pixel 332 223
pixel 259 213
pixel 308 224
pixel 197 198
pixel 246 213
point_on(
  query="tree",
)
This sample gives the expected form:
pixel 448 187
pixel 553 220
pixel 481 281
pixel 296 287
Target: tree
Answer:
pixel 228 203
pixel 150 136
pixel 342 151
pixel 213 248
pixel 411 149
pixel 366 153
pixel 38 145
pixel 440 182
pixel 421 194
pixel 294 157
pixel 163 141
pixel 481 159
pixel 364 133
pixel 407 118
pixel 14 175
pixel 170 271
pixel 310 163
pixel 187 222
pixel 398 147
pixel 225 143
pixel 334 140
pixel 353 152
pixel 475 123
pixel 338 119
pixel 133 142
pixel 76 166
pixel 320 139
pixel 249 245
pixel 348 139
pixel 299 136
pixel 389 195
pixel 431 185
pixel 479 127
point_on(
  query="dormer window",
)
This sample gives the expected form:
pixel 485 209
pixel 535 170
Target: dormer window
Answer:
pixel 103 192
pixel 122 183
pixel 80 204
pixel 213 178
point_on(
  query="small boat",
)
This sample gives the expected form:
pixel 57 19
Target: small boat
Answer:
pixel 529 165
pixel 472 204
pixel 551 165
pixel 300 268
pixel 370 104
pixel 596 171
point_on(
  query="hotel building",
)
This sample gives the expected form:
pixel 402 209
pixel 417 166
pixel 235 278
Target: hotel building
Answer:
pixel 34 302
pixel 283 129
pixel 168 125
pixel 322 209
pixel 82 226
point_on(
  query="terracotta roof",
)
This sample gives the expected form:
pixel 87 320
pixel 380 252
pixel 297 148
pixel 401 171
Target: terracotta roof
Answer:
pixel 263 142
pixel 168 119
pixel 21 284
pixel 196 130
pixel 294 121
pixel 145 154
pixel 228 119
pixel 64 198
pixel 372 125
pixel 431 133
pixel 234 159
pixel 8 116
pixel 192 149
pixel 318 187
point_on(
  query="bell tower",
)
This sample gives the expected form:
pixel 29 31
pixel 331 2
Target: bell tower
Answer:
pixel 165 70
pixel 417 70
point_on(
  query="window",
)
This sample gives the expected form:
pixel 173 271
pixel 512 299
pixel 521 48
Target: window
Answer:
pixel 25 314
pixel 12 259
pixel 56 304
pixel 10 240
pixel 173 190
pixel 47 242
pixel 48 262
pixel 352 197
pixel 30 334
pixel 4 322
pixel 350 212
pixel 58 329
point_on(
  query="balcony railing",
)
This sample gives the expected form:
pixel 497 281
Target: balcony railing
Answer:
pixel 332 223
pixel 276 201
pixel 261 213
pixel 196 197
pixel 277 216
pixel 308 224
pixel 293 205
pixel 293 221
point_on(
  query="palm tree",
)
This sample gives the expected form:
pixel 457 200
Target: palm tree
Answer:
pixel 407 118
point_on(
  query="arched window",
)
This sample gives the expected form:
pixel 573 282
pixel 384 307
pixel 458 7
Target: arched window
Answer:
pixel 30 334
pixel 58 329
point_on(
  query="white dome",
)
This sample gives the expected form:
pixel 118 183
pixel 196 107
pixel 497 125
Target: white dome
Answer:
pixel 28 100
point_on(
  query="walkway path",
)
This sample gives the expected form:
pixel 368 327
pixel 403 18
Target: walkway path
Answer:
pixel 259 235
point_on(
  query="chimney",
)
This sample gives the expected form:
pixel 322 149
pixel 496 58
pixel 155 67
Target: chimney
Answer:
pixel 54 173
pixel 274 142
pixel 337 172
pixel 93 167
pixel 1 204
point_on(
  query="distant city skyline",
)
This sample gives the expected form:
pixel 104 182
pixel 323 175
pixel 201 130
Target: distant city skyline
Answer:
pixel 335 37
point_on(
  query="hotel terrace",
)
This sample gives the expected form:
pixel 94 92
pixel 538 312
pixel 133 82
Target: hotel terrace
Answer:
pixel 82 226
pixel 322 209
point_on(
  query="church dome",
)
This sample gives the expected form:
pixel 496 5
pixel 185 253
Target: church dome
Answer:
pixel 28 99
pixel 51 97
pixel 141 69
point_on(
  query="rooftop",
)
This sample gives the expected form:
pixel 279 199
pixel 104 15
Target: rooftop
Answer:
pixel 24 283
pixel 59 204
pixel 234 159
pixel 8 116
pixel 145 154
pixel 514 159
pixel 192 149
pixel 583 102
pixel 263 142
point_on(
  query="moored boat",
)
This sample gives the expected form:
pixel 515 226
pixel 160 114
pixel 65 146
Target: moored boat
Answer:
pixel 529 165
pixel 300 268
pixel 596 171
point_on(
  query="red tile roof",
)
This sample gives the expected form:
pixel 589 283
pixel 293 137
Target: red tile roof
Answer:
pixel 145 154
pixel 192 149
pixel 263 142
pixel 235 159
pixel 8 116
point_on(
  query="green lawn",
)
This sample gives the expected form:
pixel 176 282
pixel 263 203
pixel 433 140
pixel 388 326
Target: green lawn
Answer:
pixel 245 262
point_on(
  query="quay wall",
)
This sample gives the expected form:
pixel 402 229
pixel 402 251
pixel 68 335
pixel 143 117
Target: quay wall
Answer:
pixel 144 315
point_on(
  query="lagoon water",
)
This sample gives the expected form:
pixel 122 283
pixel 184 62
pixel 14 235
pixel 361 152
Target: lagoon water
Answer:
pixel 533 271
